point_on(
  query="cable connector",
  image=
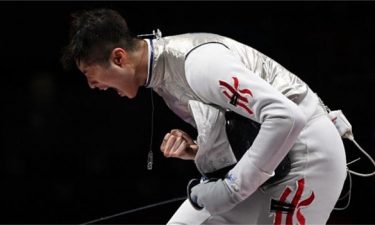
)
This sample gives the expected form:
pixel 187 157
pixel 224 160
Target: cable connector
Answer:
pixel 342 124
pixel 155 34
pixel 345 129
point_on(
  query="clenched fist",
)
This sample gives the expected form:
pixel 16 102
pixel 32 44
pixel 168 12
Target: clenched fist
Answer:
pixel 178 144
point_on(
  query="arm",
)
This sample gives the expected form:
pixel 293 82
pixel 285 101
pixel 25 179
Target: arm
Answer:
pixel 219 78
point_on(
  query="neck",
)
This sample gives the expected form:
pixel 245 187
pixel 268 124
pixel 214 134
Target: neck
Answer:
pixel 141 68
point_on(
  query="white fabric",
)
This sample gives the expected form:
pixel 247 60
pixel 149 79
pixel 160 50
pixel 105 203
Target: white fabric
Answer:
pixel 281 119
pixel 318 157
pixel 304 131
pixel 214 148
pixel 169 76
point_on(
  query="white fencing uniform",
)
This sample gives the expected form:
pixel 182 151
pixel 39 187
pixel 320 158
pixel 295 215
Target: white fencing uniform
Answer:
pixel 200 76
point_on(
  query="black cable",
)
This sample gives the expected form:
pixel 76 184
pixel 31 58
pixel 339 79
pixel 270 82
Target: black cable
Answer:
pixel 134 210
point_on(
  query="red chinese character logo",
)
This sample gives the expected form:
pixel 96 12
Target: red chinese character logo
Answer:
pixel 236 96
pixel 293 207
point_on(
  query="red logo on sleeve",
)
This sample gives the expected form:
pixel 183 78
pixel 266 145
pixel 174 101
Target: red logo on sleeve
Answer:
pixel 236 96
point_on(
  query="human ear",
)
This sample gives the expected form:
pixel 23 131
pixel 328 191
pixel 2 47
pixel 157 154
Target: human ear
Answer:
pixel 119 56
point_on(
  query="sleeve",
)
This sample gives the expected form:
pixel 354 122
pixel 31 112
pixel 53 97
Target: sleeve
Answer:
pixel 218 77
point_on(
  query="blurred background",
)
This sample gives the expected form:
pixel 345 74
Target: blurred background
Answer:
pixel 69 154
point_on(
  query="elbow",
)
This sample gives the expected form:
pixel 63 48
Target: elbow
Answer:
pixel 286 118
pixel 292 119
pixel 296 119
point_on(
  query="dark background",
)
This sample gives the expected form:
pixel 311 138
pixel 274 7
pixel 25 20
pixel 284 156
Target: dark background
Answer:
pixel 69 154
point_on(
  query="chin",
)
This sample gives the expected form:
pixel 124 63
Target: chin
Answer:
pixel 132 95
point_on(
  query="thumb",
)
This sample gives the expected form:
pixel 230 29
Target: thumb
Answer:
pixel 194 147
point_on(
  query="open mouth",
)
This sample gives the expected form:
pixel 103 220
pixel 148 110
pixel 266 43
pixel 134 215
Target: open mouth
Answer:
pixel 118 91
pixel 102 88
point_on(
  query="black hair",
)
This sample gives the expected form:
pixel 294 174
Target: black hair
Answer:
pixel 93 36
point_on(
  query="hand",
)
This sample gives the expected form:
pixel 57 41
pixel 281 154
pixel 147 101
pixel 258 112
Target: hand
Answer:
pixel 193 201
pixel 179 144
pixel 214 196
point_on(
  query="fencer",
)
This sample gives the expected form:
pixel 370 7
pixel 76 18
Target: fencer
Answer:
pixel 289 169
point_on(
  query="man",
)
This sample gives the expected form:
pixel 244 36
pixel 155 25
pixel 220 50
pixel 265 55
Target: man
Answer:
pixel 267 151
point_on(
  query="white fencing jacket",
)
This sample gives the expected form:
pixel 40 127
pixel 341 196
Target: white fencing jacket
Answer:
pixel 201 75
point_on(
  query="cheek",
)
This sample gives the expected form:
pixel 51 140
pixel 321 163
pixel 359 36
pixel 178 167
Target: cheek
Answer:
pixel 111 78
pixel 122 80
